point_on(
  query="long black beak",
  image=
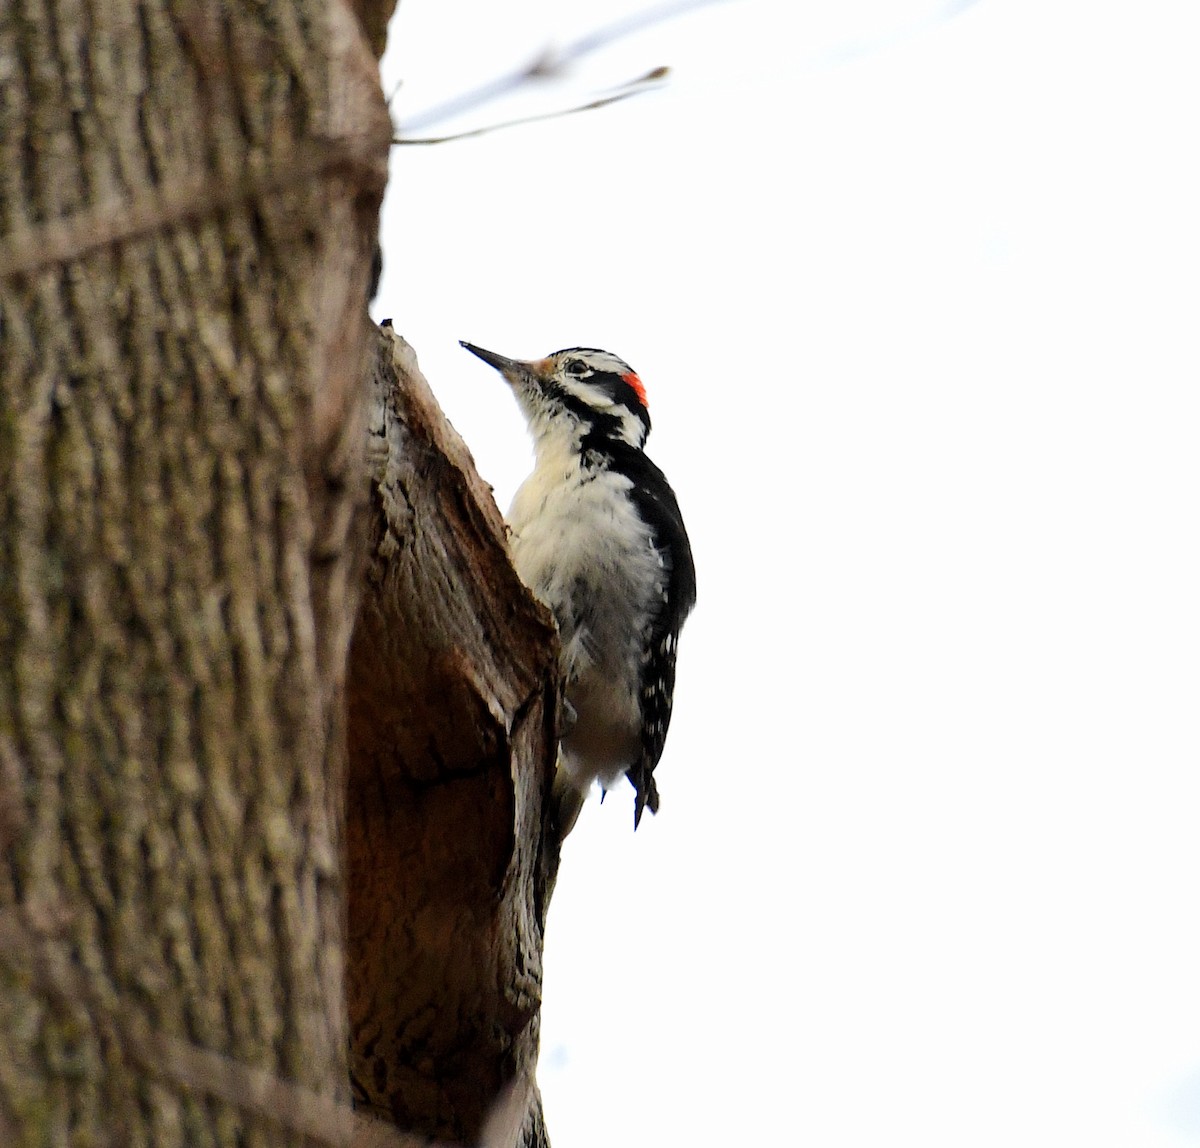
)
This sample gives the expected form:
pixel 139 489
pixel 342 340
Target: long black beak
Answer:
pixel 503 365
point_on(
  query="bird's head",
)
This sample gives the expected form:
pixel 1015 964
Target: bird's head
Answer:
pixel 592 393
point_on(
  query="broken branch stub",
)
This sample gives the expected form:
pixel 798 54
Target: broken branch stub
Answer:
pixel 453 690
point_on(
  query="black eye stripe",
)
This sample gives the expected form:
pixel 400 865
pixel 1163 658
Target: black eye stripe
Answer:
pixel 619 393
pixel 600 362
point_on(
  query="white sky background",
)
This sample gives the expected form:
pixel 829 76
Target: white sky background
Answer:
pixel 915 294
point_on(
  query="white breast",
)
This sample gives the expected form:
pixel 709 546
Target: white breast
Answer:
pixel 581 547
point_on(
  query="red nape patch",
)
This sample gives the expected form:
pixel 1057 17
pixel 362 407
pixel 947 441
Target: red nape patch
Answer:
pixel 636 384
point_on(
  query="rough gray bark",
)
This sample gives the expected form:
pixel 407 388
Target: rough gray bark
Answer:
pixel 188 202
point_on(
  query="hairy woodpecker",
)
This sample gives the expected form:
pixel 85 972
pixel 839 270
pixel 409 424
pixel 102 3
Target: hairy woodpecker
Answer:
pixel 597 535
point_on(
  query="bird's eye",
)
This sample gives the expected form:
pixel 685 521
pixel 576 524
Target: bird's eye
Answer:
pixel 577 367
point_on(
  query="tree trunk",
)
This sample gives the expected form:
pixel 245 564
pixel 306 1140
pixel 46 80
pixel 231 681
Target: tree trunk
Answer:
pixel 187 383
pixel 187 213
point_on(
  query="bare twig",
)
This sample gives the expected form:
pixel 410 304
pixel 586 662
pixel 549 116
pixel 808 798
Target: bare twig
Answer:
pixel 551 63
pixel 633 88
